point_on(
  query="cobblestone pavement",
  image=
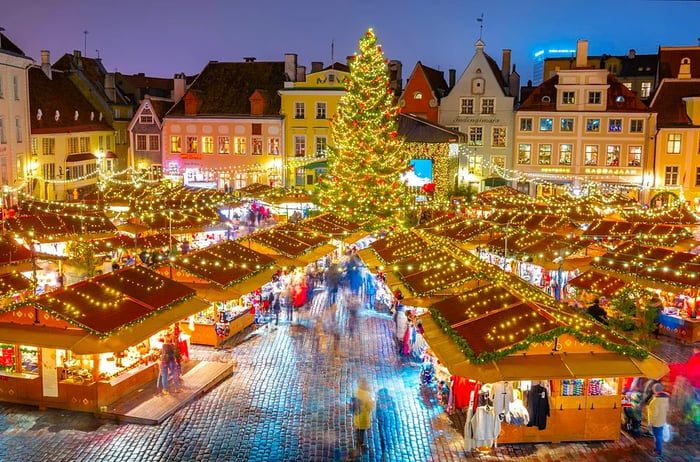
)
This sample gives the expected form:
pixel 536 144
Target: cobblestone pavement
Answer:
pixel 288 401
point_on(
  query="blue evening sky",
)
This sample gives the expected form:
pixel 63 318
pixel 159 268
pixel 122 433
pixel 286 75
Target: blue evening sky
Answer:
pixel 164 37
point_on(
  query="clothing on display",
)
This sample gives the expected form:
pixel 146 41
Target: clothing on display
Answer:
pixel 538 406
pixel 501 396
pixel 482 428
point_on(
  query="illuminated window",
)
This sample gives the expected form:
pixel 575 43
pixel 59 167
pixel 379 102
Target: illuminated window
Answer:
pixel 321 146
pixel 48 146
pixel 612 156
pixel 208 145
pixel 568 97
pixel 671 176
pixel 567 125
pixel 524 154
pixel 593 125
pixel 565 154
pixel 614 125
pixel 85 144
pixel 256 145
pixel 499 137
pixel 299 145
pixel 526 125
pixel 476 136
pixel 546 124
pixel 590 154
pixel 645 90
pixel 545 154
pixel 273 146
pixel 239 145
pixel 192 145
pixel 224 145
pixel 175 144
pixel 673 143
pixel 634 156
pixel 417 95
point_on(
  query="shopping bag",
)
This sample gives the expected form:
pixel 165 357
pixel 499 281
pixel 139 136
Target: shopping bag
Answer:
pixel 668 433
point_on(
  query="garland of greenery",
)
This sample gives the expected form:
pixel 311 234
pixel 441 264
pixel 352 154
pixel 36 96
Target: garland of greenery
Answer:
pixel 489 356
pixel 643 277
pixel 226 286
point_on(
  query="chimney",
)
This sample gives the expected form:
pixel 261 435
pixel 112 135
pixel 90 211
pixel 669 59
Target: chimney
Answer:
pixel 505 64
pixel 77 59
pixel 46 63
pixel 514 84
pixel 453 78
pixel 290 66
pixel 316 66
pixel 684 69
pixel 582 53
pixel 110 87
pixel 301 74
pixel 632 54
pixel 249 59
pixel 395 76
pixel 179 86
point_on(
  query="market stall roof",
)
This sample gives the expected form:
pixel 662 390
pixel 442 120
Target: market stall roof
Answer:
pixel 658 234
pixel 462 308
pixel 431 271
pixel 289 240
pixel 132 228
pixel 288 197
pixel 599 283
pixel 530 221
pixel 459 229
pixel 670 215
pixel 12 283
pixel 502 196
pixel 335 227
pixel 153 241
pixel 652 266
pixel 53 227
pixel 12 253
pixel 398 246
pixel 105 304
pixel 255 189
pixel 223 264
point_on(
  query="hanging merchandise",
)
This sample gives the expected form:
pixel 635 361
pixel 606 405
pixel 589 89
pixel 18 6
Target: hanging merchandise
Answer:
pixel 538 406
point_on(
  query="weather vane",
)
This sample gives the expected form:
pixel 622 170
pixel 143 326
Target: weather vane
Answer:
pixel 480 20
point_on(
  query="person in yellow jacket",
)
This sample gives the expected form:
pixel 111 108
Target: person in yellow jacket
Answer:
pixel 658 412
pixel 363 406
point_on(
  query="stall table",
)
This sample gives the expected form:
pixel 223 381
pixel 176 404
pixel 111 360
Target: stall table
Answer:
pixel 686 329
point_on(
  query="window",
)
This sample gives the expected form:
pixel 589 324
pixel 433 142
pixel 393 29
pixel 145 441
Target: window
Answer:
pixel 614 125
pixel 299 176
pixel 612 156
pixel 48 146
pixel 256 145
pixel 645 91
pixel 141 142
pixel 466 105
pixel 15 87
pixel 565 154
pixel 192 145
pixel 634 156
pixel 299 146
pixel 175 144
pixel 256 129
pixel 207 145
pixel 487 106
pixel 590 154
pixel 499 162
pixel 72 145
pixel 18 129
pixel 35 146
pixel 3 140
pixel 299 110
pixel 546 124
pixel 85 144
pixel 612 68
pixel 224 145
pixel 48 171
pixel 524 154
pixel 627 85
pixel 671 176
pixel 568 97
pixel 593 125
pixel 476 136
pixel 321 110
pixel 239 145
pixel 417 95
pixel 146 119
pixel 697 176
pixel 636 126
pixel 526 125
pixel 673 143
pixel 153 142
pixel 109 142
pixel 499 137
pixel 101 143
pixel 321 146
pixel 594 97
pixel 116 113
pixel 273 146
pixel 545 154
pixel 567 125
pixel 2 94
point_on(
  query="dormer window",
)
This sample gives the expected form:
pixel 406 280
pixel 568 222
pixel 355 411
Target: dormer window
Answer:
pixel 546 99
pixel 146 119
pixel 620 99
pixel 331 77
pixel 417 95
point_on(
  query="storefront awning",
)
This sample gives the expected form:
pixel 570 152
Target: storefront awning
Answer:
pixel 40 336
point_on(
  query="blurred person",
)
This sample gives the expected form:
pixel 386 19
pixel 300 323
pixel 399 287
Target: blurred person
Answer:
pixel 370 290
pixel 362 408
pixel 387 420
pixel 597 312
pixel 657 416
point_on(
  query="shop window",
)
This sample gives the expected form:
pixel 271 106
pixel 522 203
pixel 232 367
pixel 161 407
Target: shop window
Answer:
pixel 602 387
pixel 7 358
pixel 29 357
pixel 572 387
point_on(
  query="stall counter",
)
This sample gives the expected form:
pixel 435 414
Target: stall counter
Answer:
pixel 205 334
pixel 686 329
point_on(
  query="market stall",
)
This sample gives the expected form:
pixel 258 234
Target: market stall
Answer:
pixel 561 368
pixel 224 275
pixel 88 345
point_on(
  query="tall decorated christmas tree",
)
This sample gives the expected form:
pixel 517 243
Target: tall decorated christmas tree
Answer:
pixel 363 182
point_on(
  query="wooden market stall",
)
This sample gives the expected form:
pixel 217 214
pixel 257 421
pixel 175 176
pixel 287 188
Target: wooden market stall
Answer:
pixel 290 245
pixel 224 275
pixel 493 335
pixel 86 346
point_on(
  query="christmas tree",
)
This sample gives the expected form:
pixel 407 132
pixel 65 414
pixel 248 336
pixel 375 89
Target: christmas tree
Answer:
pixel 363 181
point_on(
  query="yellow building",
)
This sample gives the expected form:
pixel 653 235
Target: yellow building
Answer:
pixel 70 138
pixel 307 106
pixel 677 138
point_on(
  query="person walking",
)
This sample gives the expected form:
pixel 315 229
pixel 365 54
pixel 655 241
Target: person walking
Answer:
pixel 387 421
pixel 167 357
pixel 658 413
pixel 597 312
pixel 370 290
pixel 362 408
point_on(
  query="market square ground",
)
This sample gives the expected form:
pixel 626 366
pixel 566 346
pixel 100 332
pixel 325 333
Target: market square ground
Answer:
pixel 287 400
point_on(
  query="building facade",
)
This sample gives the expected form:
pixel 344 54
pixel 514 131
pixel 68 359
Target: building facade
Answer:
pixel 481 105
pixel 424 90
pixel 15 142
pixel 582 129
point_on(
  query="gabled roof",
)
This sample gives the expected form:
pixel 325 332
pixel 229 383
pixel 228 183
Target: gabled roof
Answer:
pixel 418 130
pixel 225 88
pixel 670 61
pixel 6 46
pixel 537 101
pixel 668 102
pixel 639 65
pixel 93 71
pixel 496 71
pixel 436 80
pixel 60 94
pixel 338 67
